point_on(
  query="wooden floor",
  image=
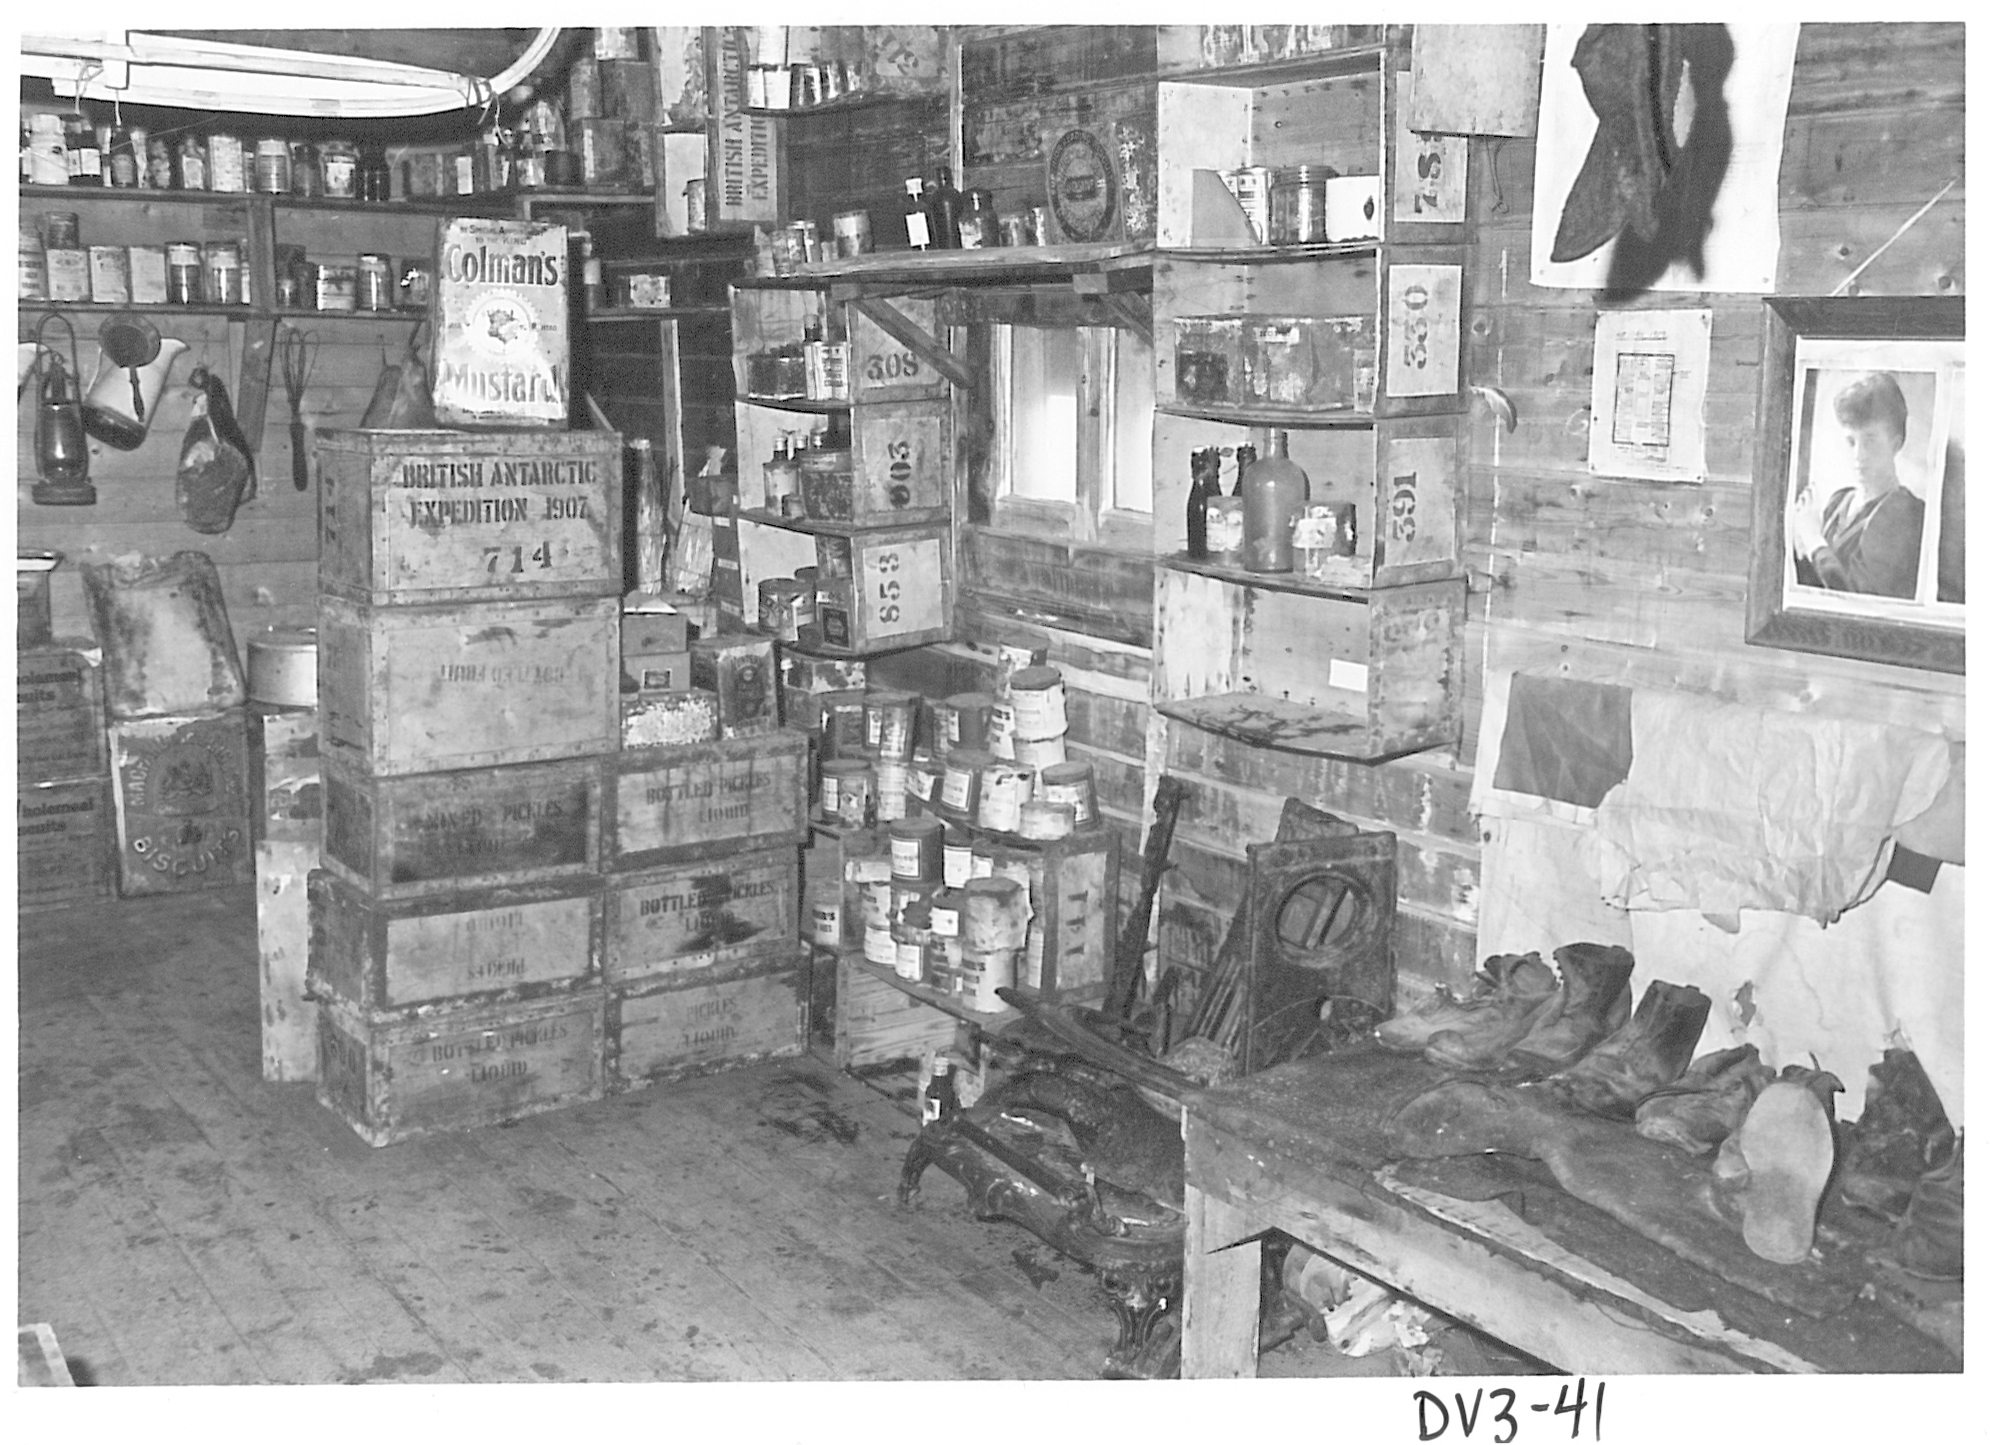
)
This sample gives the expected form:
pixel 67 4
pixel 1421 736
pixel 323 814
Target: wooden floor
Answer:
pixel 183 1222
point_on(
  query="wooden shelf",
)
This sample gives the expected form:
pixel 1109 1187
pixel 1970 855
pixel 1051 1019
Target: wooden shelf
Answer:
pixel 1263 581
pixel 1116 266
pixel 654 313
pixel 796 403
pixel 1260 255
pixel 1272 722
pixel 926 516
pixel 843 104
pixel 1354 60
pixel 153 309
pixel 1265 415
pixel 944 1002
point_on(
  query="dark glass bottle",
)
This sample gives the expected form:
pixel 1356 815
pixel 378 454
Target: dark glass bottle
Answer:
pixel 1205 481
pixel 943 210
pixel 940 1099
pixel 1246 454
pixel 86 160
pixel 376 177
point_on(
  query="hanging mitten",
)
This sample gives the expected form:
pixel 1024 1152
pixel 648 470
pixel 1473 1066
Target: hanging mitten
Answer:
pixel 215 475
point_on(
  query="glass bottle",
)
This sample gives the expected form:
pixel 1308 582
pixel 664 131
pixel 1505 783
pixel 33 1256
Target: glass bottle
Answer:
pixel 376 177
pixel 1246 454
pixel 1275 491
pixel 943 212
pixel 124 163
pixel 939 1099
pixel 1204 470
pixel 307 174
pixel 977 221
pixel 918 232
pixel 86 159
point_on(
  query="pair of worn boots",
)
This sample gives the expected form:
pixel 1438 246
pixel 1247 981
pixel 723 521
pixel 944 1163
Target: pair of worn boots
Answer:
pixel 1903 1162
pixel 1578 1029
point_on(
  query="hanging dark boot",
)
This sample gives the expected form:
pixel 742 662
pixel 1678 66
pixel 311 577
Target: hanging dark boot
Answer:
pixel 1647 1053
pixel 1410 1032
pixel 1708 1103
pixel 1901 1135
pixel 1630 76
pixel 1773 1169
pixel 1928 1240
pixel 1596 1000
pixel 1529 999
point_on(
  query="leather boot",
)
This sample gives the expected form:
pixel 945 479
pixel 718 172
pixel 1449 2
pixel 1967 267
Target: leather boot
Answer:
pixel 1596 1000
pixel 1903 1133
pixel 1408 1033
pixel 1928 1240
pixel 1481 1042
pixel 1773 1170
pixel 1646 1054
pixel 1709 1101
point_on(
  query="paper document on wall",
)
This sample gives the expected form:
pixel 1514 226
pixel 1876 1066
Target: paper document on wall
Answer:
pixel 1648 395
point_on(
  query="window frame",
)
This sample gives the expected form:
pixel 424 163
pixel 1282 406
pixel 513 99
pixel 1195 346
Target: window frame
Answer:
pixel 1090 519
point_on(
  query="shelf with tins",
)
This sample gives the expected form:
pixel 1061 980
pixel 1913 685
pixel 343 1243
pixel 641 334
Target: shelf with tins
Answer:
pixel 1100 267
pixel 879 589
pixel 843 104
pixel 946 1003
pixel 652 313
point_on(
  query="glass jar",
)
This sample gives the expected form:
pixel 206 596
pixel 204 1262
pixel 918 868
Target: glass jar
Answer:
pixel 221 273
pixel 307 176
pixel 375 176
pixel 1299 205
pixel 374 282
pixel 273 166
pixel 340 164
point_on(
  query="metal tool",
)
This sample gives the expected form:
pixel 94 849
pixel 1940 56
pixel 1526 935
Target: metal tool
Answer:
pixel 298 350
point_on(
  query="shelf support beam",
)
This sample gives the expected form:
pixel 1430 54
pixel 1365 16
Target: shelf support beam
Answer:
pixel 901 328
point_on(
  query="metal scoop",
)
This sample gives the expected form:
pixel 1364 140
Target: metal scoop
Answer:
pixel 130 342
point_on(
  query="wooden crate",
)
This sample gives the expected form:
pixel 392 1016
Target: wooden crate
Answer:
pixel 1074 914
pixel 59 714
pixel 901 463
pixel 705 1021
pixel 65 842
pixel 712 912
pixel 394 1080
pixel 876 1023
pixel 181 786
pixel 468 685
pixel 379 957
pixel 284 776
pixel 283 948
pixel 672 805
pixel 883 590
pixel 450 516
pixel 1280 664
pixel 1404 479
pixel 484 828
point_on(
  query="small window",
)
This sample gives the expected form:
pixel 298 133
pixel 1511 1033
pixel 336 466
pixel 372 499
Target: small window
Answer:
pixel 1074 422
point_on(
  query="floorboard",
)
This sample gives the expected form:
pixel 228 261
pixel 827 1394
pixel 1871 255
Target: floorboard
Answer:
pixel 183 1222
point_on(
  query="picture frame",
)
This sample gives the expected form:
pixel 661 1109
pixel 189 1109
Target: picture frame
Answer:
pixel 1857 546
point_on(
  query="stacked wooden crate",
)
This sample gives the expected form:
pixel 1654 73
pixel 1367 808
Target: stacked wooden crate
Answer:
pixel 516 912
pixel 468 680
pixel 288 828
pixel 65 834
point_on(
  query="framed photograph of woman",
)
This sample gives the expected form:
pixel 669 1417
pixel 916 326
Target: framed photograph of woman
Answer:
pixel 1858 545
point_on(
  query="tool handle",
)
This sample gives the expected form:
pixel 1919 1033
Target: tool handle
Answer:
pixel 300 465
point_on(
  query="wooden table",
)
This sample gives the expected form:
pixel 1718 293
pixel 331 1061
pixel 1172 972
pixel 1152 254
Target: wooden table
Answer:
pixel 1300 1148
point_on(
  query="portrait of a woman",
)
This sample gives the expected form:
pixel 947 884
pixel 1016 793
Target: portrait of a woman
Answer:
pixel 1863 534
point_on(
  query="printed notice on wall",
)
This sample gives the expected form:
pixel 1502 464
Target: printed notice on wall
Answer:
pixel 1648 395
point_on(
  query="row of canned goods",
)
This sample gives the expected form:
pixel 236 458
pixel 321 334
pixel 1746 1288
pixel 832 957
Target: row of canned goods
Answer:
pixel 371 283
pixel 1024 722
pixel 970 788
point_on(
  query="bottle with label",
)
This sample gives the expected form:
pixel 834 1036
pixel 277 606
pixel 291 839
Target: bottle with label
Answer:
pixel 943 212
pixel 917 231
pixel 939 1099
pixel 1204 470
pixel 1275 490
pixel 124 164
pixel 783 473
pixel 86 158
pixel 190 164
pixel 978 227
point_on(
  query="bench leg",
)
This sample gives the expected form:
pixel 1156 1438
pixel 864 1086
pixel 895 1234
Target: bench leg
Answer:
pixel 1220 1282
